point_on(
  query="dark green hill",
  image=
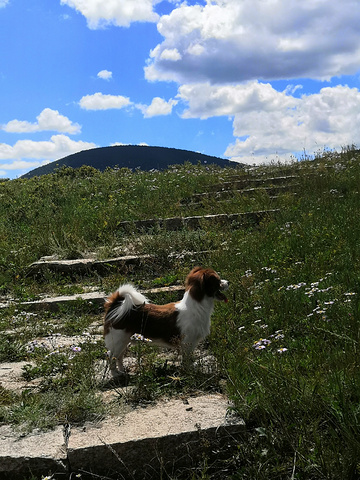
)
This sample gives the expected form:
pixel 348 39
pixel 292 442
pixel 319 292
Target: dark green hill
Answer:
pixel 130 156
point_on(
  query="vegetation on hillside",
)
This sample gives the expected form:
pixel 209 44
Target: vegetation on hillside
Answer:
pixel 287 343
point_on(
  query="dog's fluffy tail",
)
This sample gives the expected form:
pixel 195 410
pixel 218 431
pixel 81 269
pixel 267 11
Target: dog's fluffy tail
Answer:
pixel 119 304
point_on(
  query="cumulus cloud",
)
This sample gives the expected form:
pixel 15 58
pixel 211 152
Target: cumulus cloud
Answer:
pixel 232 41
pixel 99 101
pixel 114 12
pixel 158 106
pixel 267 122
pixel 105 75
pixel 47 120
pixel 171 54
pixel 21 165
pixel 205 100
pixel 57 147
pixel 329 119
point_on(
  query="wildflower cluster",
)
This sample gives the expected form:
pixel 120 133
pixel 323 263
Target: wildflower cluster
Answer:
pixel 21 318
pixel 35 345
pixel 263 343
pixel 140 338
pixel 50 348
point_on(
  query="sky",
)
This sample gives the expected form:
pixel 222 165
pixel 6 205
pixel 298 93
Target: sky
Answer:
pixel 253 81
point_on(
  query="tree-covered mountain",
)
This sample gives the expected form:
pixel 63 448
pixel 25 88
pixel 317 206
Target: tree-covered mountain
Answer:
pixel 130 156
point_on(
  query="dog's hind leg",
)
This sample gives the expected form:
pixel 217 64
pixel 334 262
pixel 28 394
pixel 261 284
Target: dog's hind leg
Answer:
pixel 116 342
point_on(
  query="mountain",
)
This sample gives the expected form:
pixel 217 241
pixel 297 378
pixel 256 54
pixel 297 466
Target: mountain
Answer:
pixel 130 156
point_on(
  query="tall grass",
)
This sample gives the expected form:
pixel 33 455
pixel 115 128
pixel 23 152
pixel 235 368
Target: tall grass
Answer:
pixel 287 343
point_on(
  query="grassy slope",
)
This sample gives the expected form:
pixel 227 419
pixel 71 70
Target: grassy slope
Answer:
pixel 287 342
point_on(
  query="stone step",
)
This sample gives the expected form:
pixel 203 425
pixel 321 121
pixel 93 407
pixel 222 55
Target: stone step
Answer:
pixel 85 265
pixel 248 181
pixel 122 264
pixel 234 220
pixel 94 299
pixel 198 198
pixel 143 443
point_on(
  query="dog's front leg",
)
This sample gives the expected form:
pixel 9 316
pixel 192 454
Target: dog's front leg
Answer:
pixel 187 353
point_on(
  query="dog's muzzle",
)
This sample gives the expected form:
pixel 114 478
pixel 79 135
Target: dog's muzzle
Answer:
pixel 224 285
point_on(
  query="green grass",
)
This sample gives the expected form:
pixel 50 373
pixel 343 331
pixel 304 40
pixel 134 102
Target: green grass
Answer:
pixel 286 345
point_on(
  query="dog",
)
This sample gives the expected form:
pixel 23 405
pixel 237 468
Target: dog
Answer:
pixel 180 324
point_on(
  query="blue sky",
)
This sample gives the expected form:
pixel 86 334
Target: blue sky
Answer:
pixel 249 80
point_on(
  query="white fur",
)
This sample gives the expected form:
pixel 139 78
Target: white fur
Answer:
pixel 132 298
pixel 194 320
pixel 117 340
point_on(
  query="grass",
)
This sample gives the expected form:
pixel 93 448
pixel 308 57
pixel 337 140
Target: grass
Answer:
pixel 286 345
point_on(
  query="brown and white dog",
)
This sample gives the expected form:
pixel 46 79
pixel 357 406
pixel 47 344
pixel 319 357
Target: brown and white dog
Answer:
pixel 180 324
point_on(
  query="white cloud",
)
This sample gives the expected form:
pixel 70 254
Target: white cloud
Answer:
pixel 3 3
pixel 21 165
pixel 105 75
pixel 170 54
pixel 99 13
pixel 47 120
pixel 99 101
pixel 291 89
pixel 205 100
pixel 141 144
pixel 196 49
pixel 267 122
pixel 57 147
pixel 118 144
pixel 158 106
pixel 231 41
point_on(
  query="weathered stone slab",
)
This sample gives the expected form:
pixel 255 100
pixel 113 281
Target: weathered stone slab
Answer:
pixel 93 298
pixel 196 222
pixel 143 443
pixel 85 265
pixel 247 181
pixel 11 377
pixel 226 194
pixel 122 264
pixel 166 437
pixel 36 454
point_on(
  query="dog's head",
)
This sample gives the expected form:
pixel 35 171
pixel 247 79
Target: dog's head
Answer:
pixel 203 282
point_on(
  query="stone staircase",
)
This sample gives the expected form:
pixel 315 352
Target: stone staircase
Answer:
pixel 124 264
pixel 95 445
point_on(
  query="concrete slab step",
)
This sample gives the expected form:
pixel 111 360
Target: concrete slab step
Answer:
pixel 234 220
pixel 122 264
pixel 85 265
pixel 164 438
pixel 11 377
pixel 38 453
pixel 248 181
pixel 143 443
pixel 96 299
pixel 198 198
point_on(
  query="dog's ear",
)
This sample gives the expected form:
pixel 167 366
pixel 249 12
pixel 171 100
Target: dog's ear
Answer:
pixel 211 282
pixel 196 275
pixel 194 283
